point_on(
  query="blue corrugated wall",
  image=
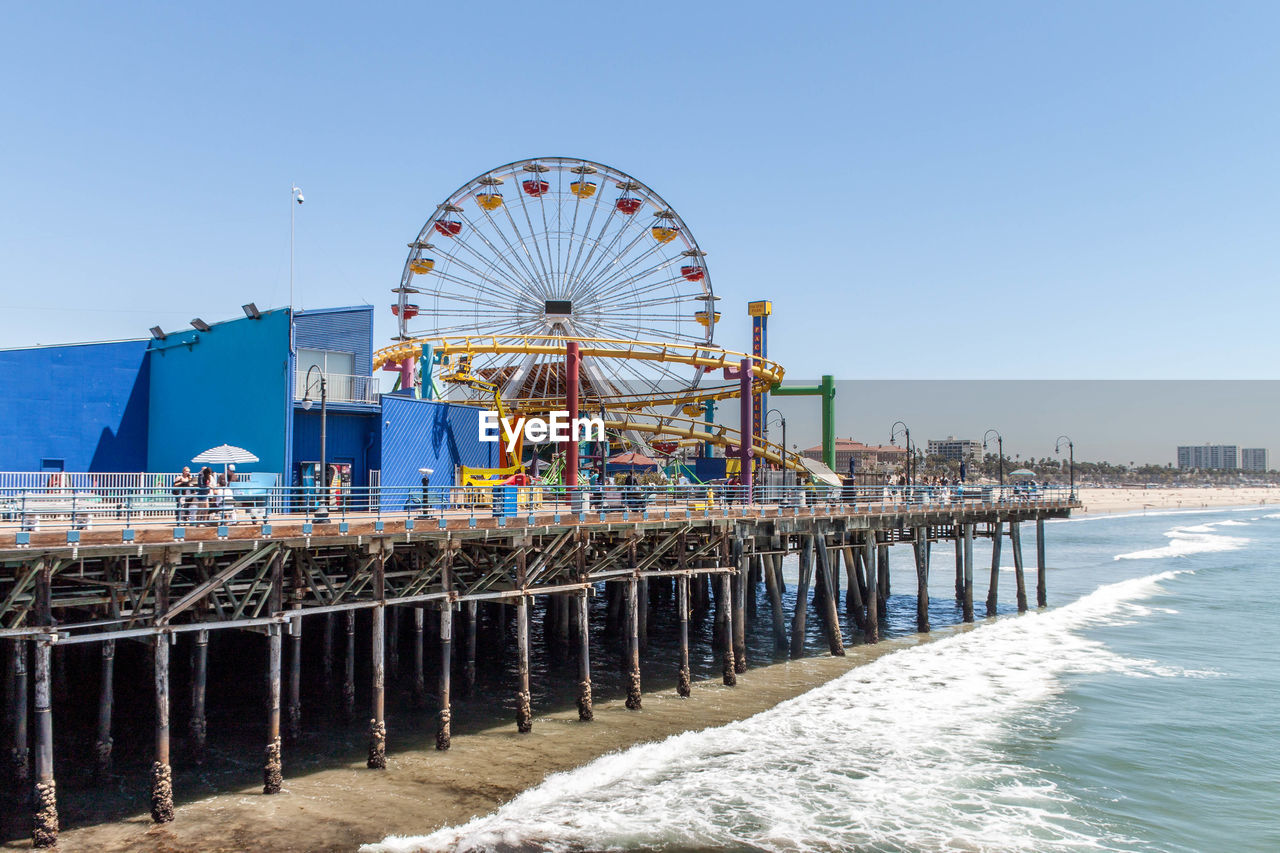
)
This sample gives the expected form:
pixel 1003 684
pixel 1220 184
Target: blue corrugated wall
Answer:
pixel 226 386
pixel 338 329
pixel 85 404
pixel 430 434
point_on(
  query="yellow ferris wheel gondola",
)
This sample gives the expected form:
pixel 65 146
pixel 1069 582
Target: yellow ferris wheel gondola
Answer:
pixel 490 198
pixel 583 188
pixel 420 264
pixel 665 229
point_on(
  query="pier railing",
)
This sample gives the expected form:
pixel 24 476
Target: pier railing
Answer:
pixel 78 504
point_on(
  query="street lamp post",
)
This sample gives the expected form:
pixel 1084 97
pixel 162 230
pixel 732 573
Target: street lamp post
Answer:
pixel 1071 450
pixel 322 512
pixel 295 195
pixel 906 431
pixel 784 443
pixel 1000 451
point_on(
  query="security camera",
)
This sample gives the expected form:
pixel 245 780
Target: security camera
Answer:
pixel 299 198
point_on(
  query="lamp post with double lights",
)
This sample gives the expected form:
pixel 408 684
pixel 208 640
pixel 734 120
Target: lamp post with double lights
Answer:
pixel 999 451
pixel 906 432
pixel 322 512
pixel 1071 450
pixel 783 420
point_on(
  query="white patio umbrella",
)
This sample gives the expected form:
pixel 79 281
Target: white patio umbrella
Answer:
pixel 224 455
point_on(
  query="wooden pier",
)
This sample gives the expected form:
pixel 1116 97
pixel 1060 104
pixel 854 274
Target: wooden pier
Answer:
pixel 157 588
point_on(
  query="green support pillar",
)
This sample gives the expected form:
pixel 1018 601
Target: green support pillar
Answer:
pixel 826 389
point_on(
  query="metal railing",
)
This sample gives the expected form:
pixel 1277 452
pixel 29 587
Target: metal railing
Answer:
pixel 339 387
pixel 29 510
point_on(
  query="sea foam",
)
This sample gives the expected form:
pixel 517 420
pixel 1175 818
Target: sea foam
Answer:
pixel 909 752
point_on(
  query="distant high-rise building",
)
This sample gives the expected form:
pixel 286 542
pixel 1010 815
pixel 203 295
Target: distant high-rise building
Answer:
pixel 955 448
pixel 1211 456
pixel 1254 459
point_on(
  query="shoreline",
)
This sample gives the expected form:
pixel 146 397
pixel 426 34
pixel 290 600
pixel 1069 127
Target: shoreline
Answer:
pixel 342 807
pixel 1104 501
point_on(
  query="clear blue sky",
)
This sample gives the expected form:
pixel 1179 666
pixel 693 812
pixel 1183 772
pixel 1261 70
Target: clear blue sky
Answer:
pixel 1083 189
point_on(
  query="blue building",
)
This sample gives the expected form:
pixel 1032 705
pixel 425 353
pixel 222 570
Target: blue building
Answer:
pixel 154 404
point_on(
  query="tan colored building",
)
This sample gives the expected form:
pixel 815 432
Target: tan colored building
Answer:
pixel 869 457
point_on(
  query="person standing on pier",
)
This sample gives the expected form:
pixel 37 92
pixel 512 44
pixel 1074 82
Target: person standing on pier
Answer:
pixel 183 484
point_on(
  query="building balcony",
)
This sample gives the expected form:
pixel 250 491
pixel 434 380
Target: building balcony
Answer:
pixel 339 388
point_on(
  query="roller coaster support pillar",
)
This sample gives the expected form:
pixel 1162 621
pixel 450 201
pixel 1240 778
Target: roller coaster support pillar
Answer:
pixel 827 391
pixel 572 363
pixel 709 418
pixel 746 437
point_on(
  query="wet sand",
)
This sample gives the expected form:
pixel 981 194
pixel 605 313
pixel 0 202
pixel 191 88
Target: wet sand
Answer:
pixel 1098 501
pixel 339 808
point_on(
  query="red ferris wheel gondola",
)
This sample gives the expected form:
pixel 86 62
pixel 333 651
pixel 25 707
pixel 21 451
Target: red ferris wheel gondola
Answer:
pixel 627 203
pixel 536 186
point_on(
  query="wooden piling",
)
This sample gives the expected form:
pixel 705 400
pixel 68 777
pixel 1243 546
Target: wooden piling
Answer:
pixel 585 712
pixel 419 667
pixel 198 727
pixel 633 642
pixel 524 713
pixel 326 658
pixel 161 772
pixel 968 571
pixel 801 613
pixel 393 641
pixel 20 758
pixel 738 585
pixel 642 611
pixel 993 585
pixel 106 699
pixel 882 571
pixel 729 673
pixel 1042 581
pixel 272 771
pixel 377 725
pixel 469 670
pixel 349 670
pixel 921 546
pixel 869 561
pixel 683 685
pixel 854 604
pixel 1015 542
pixel 959 537
pixel 775 601
pixel 444 733
pixel 45 830
pixel 832 618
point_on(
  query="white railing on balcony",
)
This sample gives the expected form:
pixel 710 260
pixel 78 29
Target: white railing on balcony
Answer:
pixel 339 388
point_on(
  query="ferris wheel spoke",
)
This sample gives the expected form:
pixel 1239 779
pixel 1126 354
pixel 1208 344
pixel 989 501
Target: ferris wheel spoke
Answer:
pixel 524 207
pixel 640 284
pixel 536 276
pixel 454 259
pixel 611 249
pixel 475 292
pixel 479 232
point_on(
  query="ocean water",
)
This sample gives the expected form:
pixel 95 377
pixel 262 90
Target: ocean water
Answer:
pixel 1140 711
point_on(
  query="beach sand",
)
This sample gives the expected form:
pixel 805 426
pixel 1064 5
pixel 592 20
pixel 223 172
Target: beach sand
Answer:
pixel 340 807
pixel 1098 501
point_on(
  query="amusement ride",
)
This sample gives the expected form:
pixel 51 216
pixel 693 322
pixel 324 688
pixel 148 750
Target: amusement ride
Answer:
pixel 526 258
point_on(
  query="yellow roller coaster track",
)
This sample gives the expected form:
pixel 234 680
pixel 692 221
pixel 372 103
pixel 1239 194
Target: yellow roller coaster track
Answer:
pixel 694 430
pixel 764 373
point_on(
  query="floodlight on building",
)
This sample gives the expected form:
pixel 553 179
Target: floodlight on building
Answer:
pixel 200 325
pixel 157 333
pixel 251 311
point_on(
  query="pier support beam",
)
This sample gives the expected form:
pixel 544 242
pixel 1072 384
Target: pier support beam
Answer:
pixel 161 772
pixel 20 759
pixel 419 677
pixel 198 727
pixel 349 670
pixel 106 700
pixel 800 616
pixel 993 586
pixel 45 831
pixel 444 732
pixel 921 546
pixel 882 570
pixel 1015 542
pixel 633 640
pixel 295 679
pixel 728 673
pixel 326 658
pixel 739 587
pixel 832 617
pixel 585 712
pixel 524 713
pixel 469 670
pixel 377 724
pixel 853 576
pixel 959 537
pixel 967 603
pixel 683 686
pixel 1042 582
pixel 272 770
pixel 771 571
pixel 869 560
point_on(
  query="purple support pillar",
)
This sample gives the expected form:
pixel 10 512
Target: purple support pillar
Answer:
pixel 746 435
pixel 571 364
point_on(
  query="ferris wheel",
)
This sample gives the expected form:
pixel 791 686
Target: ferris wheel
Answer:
pixel 560 247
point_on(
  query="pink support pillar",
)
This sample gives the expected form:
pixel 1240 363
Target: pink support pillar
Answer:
pixel 572 364
pixel 746 435
pixel 406 374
